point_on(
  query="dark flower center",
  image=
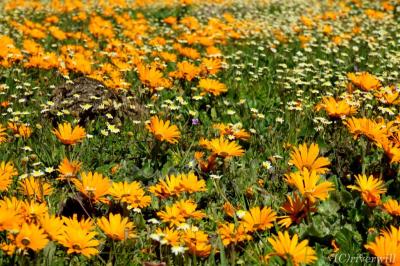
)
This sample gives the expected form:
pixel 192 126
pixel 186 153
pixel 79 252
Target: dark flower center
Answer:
pixel 25 241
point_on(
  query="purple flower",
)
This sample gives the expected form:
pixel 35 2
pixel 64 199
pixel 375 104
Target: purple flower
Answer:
pixel 195 121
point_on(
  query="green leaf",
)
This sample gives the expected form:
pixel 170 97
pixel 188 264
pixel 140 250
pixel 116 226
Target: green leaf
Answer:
pixel 213 113
pixel 49 252
pixel 329 208
pixel 222 252
pixel 347 239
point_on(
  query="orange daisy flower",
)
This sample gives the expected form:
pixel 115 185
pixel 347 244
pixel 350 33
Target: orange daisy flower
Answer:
pixel 163 131
pixel 3 134
pixel 80 241
pixel 258 219
pixel 35 188
pixel 291 250
pixel 212 86
pixel 336 109
pixel 68 169
pixel 68 135
pixel 94 186
pixel 116 227
pixel 231 234
pixel 370 188
pixel 386 247
pixel 222 147
pixel 130 193
pixel 309 185
pixel 392 207
pixel 307 157
pixel 7 171
pixel 296 210
pixel 364 81
pixel 31 236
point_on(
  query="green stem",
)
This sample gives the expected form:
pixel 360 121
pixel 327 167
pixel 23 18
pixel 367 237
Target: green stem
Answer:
pixel 308 216
pixel 363 155
pixel 219 191
pixel 232 254
pixel 112 249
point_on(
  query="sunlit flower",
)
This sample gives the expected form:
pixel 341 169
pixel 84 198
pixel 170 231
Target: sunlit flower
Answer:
pixel 3 134
pixel 7 172
pixel 130 193
pixel 169 236
pixel 211 65
pixel 186 70
pixel 367 127
pixel 31 236
pixel 229 209
pixel 152 78
pixel 24 131
pixel 296 209
pixel 336 109
pixel 9 217
pixel 79 241
pixel 190 183
pixel 231 234
pixel 175 185
pixel 370 188
pixel 171 215
pixel 8 249
pixel 32 211
pixel 391 149
pixel 35 188
pixel 392 207
pixel 68 169
pixel 163 131
pixel 222 147
pixel 364 81
pixel 20 130
pixel 197 242
pixel 68 135
pixel 82 224
pixel 374 14
pixel 232 131
pixel 188 209
pixel 258 219
pixel 307 157
pixel 168 187
pixel 388 95
pixel 116 227
pixel 291 250
pixel 94 186
pixel 386 247
pixel 52 225
pixel 212 86
pixel 309 185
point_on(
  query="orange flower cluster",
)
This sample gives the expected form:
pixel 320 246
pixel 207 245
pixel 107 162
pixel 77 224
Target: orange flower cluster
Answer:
pixel 384 134
pixel 120 57
pixel 29 225
pixel 176 185
pixel 336 109
pixel 184 186
pixel 364 81
pixel 307 182
pixel 179 234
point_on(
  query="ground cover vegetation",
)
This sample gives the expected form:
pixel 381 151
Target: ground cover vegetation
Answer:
pixel 199 132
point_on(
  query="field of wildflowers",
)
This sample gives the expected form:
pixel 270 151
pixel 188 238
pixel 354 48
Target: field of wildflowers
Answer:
pixel 199 132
